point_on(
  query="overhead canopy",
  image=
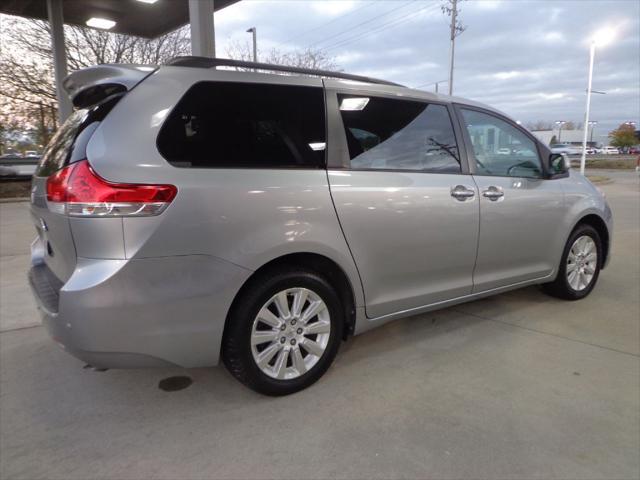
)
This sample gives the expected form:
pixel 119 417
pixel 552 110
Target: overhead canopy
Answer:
pixel 132 17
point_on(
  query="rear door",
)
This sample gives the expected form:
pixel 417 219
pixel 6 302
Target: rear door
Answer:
pixel 407 206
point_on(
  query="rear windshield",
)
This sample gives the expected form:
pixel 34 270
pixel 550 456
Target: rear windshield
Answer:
pixel 69 143
pixel 242 125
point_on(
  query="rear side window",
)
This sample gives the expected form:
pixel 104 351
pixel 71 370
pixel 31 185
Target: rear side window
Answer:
pixel 239 125
pixel 56 154
pixel 69 143
pixel 389 134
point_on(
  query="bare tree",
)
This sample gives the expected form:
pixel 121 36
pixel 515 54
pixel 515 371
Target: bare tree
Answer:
pixel 539 126
pixel 26 63
pixel 307 58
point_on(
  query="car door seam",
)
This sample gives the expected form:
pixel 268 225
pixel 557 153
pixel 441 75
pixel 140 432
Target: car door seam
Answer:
pixel 346 241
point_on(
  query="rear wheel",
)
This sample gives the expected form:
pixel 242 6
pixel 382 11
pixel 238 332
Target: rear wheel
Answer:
pixel 580 265
pixel 283 332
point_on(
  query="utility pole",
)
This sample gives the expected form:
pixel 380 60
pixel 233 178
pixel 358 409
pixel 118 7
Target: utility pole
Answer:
pixel 451 8
pixel 255 43
pixel 454 14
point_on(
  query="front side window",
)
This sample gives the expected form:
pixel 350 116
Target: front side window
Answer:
pixel 390 134
pixel 500 148
pixel 236 125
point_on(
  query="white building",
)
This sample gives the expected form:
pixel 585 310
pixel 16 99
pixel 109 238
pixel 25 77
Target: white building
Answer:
pixel 573 137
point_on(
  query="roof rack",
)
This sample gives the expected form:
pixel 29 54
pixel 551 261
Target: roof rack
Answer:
pixel 206 62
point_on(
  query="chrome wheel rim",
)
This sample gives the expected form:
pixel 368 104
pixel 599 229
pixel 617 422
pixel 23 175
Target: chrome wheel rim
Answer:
pixel 582 262
pixel 290 333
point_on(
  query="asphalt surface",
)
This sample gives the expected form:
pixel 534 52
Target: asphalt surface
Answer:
pixel 519 385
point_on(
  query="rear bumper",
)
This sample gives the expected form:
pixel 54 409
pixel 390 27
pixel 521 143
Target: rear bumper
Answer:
pixel 141 312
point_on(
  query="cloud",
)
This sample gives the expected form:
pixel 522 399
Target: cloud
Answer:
pixel 526 57
pixel 553 37
pixel 332 8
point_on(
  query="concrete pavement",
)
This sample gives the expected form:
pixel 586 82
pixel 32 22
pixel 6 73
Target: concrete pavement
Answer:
pixel 516 386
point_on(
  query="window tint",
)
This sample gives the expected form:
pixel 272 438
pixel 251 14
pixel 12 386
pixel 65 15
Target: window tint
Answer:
pixel 500 148
pixel 69 143
pixel 220 124
pixel 394 134
pixel 57 151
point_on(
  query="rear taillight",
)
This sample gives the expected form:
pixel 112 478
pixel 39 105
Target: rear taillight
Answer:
pixel 78 191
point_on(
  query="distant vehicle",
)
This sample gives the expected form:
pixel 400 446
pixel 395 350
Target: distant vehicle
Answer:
pixel 504 151
pixel 566 148
pixel 608 150
pixel 17 167
pixel 8 171
pixel 634 150
pixel 31 154
pixel 11 155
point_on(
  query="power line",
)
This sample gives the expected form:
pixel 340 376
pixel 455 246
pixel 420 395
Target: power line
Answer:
pixel 384 26
pixel 322 25
pixel 353 27
pixel 431 83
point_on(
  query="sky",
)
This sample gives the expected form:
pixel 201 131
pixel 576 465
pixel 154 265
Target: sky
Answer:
pixel 528 58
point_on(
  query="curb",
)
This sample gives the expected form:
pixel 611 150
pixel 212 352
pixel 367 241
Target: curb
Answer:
pixel 14 199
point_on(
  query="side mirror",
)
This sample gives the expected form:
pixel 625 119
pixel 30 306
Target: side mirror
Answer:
pixel 559 164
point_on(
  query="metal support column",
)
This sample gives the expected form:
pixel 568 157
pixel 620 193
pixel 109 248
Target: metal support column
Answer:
pixel 56 20
pixel 202 28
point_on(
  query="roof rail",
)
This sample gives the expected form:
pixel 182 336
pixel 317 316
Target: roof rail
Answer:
pixel 206 62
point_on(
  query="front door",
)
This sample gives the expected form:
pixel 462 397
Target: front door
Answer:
pixel 408 210
pixel 520 211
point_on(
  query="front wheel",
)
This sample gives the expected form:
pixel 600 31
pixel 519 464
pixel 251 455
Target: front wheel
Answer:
pixel 283 332
pixel 580 265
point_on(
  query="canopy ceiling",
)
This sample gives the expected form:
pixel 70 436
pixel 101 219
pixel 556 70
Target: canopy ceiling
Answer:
pixel 133 17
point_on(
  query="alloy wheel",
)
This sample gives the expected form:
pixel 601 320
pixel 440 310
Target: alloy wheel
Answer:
pixel 290 333
pixel 582 263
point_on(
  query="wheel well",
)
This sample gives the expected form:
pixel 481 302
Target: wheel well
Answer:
pixel 596 222
pixel 321 265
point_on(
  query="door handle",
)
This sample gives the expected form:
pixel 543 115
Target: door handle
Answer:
pixel 493 193
pixel 460 192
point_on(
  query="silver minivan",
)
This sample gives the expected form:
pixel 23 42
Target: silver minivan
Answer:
pixel 188 214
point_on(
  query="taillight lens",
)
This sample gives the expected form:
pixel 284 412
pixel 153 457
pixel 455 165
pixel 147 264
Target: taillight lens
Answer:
pixel 78 191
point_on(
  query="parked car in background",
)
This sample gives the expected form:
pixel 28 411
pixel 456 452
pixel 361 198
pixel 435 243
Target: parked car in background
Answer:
pixel 31 154
pixel 566 149
pixel 609 150
pixel 13 167
pixel 8 171
pixel 11 154
pixel 262 219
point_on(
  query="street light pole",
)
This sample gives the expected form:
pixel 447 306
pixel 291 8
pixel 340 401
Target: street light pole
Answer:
pixel 583 157
pixel 560 123
pixel 255 43
pixel 592 123
pixel 600 38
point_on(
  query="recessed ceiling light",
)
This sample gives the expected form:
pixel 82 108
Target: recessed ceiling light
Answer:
pixel 102 23
pixel 148 1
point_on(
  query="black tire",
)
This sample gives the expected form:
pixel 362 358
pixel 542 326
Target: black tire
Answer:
pixel 560 287
pixel 236 342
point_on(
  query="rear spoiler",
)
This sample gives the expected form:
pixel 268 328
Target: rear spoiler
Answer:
pixel 90 85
